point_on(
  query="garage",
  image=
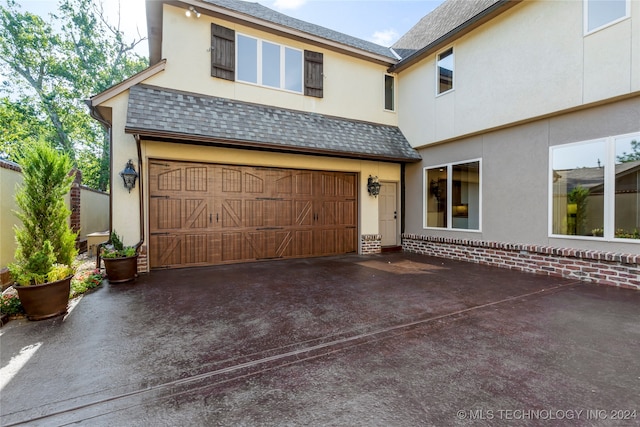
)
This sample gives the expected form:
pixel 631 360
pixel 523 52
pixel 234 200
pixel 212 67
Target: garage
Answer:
pixel 206 214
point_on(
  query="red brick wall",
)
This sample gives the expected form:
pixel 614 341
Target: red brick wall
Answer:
pixel 142 259
pixel 605 268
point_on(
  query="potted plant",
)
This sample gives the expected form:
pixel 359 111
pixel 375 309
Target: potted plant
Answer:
pixel 46 245
pixel 120 261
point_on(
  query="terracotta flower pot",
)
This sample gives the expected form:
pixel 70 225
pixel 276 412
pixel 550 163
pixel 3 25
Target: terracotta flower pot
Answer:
pixel 121 270
pixel 46 300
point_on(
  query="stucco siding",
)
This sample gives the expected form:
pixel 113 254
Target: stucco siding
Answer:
pixel 515 176
pixel 353 88
pixel 529 62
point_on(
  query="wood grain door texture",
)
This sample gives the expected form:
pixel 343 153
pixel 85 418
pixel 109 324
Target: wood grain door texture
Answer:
pixel 203 214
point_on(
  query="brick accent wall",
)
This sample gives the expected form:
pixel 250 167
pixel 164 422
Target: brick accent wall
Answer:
pixel 371 243
pixel 142 259
pixel 605 268
pixel 74 199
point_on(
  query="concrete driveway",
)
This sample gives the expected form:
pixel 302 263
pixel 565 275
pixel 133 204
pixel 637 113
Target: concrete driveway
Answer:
pixel 385 340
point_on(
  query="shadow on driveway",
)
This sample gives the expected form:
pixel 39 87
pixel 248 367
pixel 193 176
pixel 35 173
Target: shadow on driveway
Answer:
pixel 392 339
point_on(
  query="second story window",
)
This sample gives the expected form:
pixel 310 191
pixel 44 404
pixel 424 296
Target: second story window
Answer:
pixel 389 92
pixel 600 13
pixel 268 64
pixel 445 71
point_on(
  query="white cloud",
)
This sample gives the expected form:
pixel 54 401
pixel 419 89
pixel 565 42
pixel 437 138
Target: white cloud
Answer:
pixel 385 37
pixel 289 4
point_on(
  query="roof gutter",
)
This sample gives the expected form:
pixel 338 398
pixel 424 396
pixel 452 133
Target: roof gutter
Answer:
pixel 462 29
pixel 241 144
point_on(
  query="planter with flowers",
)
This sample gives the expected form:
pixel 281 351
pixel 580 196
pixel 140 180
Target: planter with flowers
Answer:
pixel 120 261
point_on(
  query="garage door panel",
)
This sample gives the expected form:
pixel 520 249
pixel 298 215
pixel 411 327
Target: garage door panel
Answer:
pixel 347 213
pixel 253 183
pixel 231 247
pixel 232 214
pixel 167 214
pixel 254 213
pixel 303 243
pixel 170 180
pixel 196 179
pixel 196 212
pixel 168 252
pixel 195 249
pixel 284 244
pixel 304 212
pixel 231 180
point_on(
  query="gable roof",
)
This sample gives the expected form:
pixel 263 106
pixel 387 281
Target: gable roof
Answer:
pixel 448 21
pixel 254 14
pixel 259 11
pixel 165 114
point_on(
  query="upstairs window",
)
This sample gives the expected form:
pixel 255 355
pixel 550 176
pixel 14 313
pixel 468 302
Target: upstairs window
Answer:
pixel 445 71
pixel 268 64
pixel 600 13
pixel 389 90
pixel 248 59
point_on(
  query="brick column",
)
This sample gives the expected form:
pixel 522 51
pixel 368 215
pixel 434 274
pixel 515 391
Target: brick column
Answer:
pixel 74 200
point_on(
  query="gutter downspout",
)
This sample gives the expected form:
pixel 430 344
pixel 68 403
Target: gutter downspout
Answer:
pixel 140 192
pixel 95 114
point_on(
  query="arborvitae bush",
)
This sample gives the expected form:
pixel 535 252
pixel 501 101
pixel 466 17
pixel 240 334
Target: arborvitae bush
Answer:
pixel 45 238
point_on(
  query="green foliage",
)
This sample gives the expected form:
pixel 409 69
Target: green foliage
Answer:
pixel 10 304
pixel 45 238
pixel 577 223
pixel 51 70
pixel 633 156
pixel 116 249
pixel 86 281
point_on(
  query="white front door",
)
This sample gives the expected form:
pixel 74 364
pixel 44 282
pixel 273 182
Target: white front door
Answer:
pixel 388 213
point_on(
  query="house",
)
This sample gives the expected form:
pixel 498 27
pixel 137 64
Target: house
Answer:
pixel 258 136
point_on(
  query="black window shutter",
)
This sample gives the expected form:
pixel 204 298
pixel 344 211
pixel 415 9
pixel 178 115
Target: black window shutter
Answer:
pixel 223 52
pixel 313 74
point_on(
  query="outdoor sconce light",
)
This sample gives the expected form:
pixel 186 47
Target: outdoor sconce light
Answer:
pixel 373 186
pixel 190 11
pixel 129 176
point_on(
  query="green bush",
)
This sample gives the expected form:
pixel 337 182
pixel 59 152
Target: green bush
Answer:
pixel 45 240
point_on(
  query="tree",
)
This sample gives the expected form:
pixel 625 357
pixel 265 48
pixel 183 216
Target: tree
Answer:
pixel 633 156
pixel 52 70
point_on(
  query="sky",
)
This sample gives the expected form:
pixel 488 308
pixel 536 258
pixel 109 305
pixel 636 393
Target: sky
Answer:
pixel 379 21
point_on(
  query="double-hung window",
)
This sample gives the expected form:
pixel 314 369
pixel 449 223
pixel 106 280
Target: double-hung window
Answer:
pixel 595 188
pixel 268 64
pixel 452 196
pixel 601 13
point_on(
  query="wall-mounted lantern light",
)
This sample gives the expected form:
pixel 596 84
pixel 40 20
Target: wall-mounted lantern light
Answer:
pixel 373 186
pixel 129 176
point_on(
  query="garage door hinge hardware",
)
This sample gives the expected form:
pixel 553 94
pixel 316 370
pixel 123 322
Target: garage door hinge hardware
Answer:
pixel 159 197
pixel 269 198
pixel 270 228
pixel 160 234
pixel 159 164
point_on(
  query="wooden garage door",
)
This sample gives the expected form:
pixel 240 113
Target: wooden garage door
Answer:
pixel 203 214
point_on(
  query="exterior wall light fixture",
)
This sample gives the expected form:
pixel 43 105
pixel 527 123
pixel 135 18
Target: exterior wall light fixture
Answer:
pixel 373 186
pixel 129 176
pixel 192 10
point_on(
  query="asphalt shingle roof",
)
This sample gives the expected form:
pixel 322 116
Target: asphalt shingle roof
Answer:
pixel 159 111
pixel 269 15
pixel 442 20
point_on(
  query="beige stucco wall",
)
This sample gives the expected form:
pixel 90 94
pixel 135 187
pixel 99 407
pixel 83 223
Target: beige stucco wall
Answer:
pixel 8 181
pixel 515 176
pixel 94 211
pixel 353 88
pixel 530 61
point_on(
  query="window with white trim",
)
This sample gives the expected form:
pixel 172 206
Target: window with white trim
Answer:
pixel 445 71
pixel 595 188
pixel 452 196
pixel 600 13
pixel 268 64
pixel 389 92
